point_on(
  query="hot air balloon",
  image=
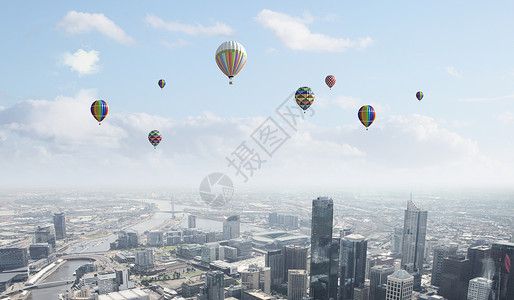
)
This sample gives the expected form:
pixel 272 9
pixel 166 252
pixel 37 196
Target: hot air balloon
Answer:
pixel 330 80
pixel 231 58
pixel 161 83
pixel 419 95
pixel 366 115
pixel 304 97
pixel 155 138
pixel 99 109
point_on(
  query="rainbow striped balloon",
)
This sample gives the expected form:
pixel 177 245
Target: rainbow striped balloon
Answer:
pixel 154 137
pixel 366 115
pixel 99 109
pixel 230 58
pixel 161 83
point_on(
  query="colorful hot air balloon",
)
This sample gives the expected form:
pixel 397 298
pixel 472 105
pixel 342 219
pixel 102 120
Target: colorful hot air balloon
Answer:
pixel 155 138
pixel 366 115
pixel 330 80
pixel 419 95
pixel 304 97
pixel 231 58
pixel 99 109
pixel 161 83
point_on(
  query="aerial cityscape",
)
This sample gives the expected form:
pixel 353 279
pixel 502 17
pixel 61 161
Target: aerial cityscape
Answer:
pixel 256 150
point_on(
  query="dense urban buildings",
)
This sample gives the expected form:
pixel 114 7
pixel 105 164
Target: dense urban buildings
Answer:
pixel 413 242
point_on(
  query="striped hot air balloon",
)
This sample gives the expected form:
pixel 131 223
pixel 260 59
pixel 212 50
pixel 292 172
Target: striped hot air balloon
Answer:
pixel 230 58
pixel 154 137
pixel 161 83
pixel 99 109
pixel 366 115
pixel 419 95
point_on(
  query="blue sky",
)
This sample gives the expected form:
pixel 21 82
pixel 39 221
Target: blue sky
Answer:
pixel 57 59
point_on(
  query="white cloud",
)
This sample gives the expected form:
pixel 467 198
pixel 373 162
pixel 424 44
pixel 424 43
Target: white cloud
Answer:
pixel 294 33
pixel 271 50
pixel 178 44
pixel 506 117
pixel 218 29
pixel 83 62
pixel 78 22
pixel 451 70
pixel 346 102
pixel 457 123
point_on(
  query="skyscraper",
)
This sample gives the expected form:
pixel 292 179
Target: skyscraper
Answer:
pixel 321 250
pixel 455 278
pixel 275 260
pixel 191 221
pixel 231 228
pixel 352 264
pixel 479 288
pixel 440 253
pixel 399 286
pixel 503 256
pixel 377 280
pixel 44 234
pixel 60 226
pixel 295 258
pixel 478 256
pixel 296 284
pixel 413 242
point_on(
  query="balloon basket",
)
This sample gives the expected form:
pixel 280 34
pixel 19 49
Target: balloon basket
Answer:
pixel 230 82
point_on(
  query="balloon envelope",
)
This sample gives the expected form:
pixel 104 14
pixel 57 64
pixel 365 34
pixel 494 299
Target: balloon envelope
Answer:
pixel 304 97
pixel 366 115
pixel 330 80
pixel 154 137
pixel 162 83
pixel 419 95
pixel 99 109
pixel 230 58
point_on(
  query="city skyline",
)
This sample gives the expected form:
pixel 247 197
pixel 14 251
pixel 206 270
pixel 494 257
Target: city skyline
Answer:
pixel 89 51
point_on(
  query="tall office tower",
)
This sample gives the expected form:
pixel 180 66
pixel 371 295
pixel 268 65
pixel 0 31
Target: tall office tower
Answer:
pixel 231 228
pixel 275 261
pixel 377 280
pixel 413 241
pixel 440 253
pixel 361 293
pixel 478 256
pixel 191 221
pixel 396 240
pixel 455 278
pixel 214 285
pixel 352 263
pixel 479 288
pixel 296 284
pixel 295 258
pixel 256 278
pixel 321 250
pixel 13 258
pixel 399 286
pixel 60 226
pixel 503 256
pixel 44 234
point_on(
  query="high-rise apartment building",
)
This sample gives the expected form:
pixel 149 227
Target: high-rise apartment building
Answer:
pixel 60 226
pixel 378 281
pixel 440 253
pixel 479 288
pixel 399 286
pixel 321 283
pixel 144 259
pixel 214 285
pixel 231 228
pixel 413 241
pixel 352 262
pixel 296 284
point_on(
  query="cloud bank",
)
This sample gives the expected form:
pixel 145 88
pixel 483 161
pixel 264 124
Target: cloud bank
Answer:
pixel 218 29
